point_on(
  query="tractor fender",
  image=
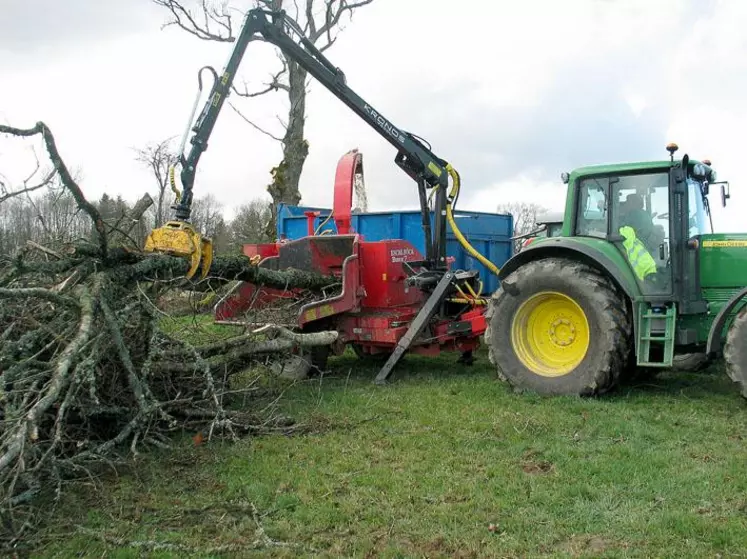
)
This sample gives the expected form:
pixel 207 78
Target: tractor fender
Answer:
pixel 714 336
pixel 598 253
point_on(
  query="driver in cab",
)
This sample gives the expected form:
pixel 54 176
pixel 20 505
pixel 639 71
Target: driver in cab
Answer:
pixel 633 215
pixel 637 227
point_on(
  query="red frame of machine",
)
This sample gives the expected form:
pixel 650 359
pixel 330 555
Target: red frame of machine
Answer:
pixel 375 306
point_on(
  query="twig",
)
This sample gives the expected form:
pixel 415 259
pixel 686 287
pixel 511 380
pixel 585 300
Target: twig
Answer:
pixel 253 125
pixel 42 248
pixel 59 381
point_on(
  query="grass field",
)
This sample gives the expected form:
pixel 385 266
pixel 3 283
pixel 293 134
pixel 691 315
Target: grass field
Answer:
pixel 443 462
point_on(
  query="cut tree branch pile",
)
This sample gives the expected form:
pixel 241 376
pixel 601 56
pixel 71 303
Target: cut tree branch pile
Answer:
pixel 86 374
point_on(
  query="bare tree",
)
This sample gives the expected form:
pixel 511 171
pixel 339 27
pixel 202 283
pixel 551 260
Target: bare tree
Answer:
pixel 207 211
pixel 525 216
pixel 159 158
pixel 321 21
pixel 250 224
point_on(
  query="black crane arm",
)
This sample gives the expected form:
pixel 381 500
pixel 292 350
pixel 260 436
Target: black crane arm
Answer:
pixel 417 160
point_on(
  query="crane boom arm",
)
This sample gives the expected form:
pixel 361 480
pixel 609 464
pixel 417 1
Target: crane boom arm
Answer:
pixel 275 27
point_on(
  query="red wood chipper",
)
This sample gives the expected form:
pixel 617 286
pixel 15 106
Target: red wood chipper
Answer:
pixel 376 307
pixel 393 298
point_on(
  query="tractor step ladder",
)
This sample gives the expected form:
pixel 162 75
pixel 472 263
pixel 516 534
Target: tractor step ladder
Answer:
pixel 655 340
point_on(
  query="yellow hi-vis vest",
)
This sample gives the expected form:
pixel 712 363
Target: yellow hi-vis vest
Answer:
pixel 642 262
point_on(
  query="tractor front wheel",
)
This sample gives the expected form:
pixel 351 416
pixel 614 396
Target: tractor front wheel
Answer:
pixel 735 351
pixel 558 327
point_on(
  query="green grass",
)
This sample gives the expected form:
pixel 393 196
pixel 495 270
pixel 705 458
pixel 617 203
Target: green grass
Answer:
pixel 424 466
pixel 196 329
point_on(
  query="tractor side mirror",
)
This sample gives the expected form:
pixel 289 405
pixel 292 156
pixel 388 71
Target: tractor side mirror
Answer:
pixel 725 194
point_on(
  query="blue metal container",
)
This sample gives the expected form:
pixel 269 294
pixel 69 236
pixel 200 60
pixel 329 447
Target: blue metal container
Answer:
pixel 489 233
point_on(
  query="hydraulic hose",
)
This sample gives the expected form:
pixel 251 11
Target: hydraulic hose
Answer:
pixel 457 233
pixel 172 182
pixel 323 223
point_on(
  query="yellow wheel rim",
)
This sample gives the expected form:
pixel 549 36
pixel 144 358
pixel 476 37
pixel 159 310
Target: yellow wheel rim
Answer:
pixel 550 334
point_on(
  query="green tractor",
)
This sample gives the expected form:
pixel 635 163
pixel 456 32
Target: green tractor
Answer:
pixel 636 278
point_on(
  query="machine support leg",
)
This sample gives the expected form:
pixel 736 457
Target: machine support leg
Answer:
pixel 416 327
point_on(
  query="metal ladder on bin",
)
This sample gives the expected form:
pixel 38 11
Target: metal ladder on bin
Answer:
pixel 656 329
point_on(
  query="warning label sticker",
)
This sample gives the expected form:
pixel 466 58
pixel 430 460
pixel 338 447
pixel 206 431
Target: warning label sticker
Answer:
pixel 725 244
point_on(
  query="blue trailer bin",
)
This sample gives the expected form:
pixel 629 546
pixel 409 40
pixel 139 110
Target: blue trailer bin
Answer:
pixel 489 233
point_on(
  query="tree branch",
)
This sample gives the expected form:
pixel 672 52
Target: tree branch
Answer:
pixel 273 85
pixel 58 382
pixel 15 193
pixel 334 10
pixel 65 176
pixel 183 18
pixel 253 125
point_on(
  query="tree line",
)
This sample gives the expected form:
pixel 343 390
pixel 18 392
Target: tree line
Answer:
pixel 51 217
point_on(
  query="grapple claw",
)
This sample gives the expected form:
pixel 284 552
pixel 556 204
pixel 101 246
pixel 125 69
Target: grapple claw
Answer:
pixel 207 256
pixel 180 238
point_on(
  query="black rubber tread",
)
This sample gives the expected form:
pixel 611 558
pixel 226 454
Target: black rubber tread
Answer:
pixel 690 362
pixel 735 351
pixel 606 310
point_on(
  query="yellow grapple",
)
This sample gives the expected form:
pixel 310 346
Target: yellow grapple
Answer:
pixel 180 238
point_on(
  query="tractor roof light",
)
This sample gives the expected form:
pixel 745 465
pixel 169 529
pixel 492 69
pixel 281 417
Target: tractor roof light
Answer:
pixel 565 177
pixel 671 148
pixel 699 171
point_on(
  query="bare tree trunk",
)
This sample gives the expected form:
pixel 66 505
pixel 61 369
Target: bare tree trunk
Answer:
pixel 286 177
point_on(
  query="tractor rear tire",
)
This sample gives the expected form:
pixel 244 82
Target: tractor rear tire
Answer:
pixel 559 327
pixel 735 351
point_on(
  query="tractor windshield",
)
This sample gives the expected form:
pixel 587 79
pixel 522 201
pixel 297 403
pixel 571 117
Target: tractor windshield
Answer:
pixel 700 223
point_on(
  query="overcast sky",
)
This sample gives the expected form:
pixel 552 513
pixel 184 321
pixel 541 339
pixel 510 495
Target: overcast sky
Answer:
pixel 511 92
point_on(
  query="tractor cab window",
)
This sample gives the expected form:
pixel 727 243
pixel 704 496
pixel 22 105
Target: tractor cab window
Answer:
pixel 700 223
pixel 635 209
pixel 554 229
pixel 640 213
pixel 592 211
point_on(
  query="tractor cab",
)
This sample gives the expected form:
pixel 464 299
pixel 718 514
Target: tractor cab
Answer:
pixel 652 213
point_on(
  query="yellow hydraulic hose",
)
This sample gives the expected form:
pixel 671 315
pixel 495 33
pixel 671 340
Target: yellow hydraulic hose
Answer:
pixel 464 301
pixel 172 182
pixel 450 218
